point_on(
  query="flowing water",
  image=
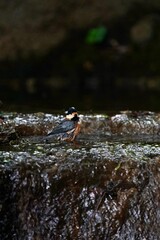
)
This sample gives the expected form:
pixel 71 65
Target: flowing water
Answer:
pixel 104 186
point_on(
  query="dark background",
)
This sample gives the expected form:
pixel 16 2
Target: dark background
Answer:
pixel 94 55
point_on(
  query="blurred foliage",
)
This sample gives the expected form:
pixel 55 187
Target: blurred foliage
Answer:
pixel 96 35
pixel 97 49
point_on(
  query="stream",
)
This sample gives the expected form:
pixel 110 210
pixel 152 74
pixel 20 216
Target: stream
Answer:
pixel 103 186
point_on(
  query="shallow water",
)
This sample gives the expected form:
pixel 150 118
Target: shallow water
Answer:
pixel 104 186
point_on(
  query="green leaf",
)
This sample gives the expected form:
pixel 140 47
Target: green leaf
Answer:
pixel 96 35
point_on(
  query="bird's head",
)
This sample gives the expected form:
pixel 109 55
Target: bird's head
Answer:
pixel 71 113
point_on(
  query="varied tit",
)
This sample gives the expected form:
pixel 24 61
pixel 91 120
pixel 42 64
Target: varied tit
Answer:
pixel 69 128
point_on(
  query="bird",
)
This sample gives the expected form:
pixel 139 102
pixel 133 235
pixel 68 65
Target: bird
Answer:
pixel 69 128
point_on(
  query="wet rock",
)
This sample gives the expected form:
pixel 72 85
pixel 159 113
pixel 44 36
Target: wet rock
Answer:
pixel 78 194
pixel 146 124
pixel 127 123
pixel 105 185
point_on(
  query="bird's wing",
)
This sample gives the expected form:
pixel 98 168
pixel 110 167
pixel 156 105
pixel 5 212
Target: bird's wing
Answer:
pixel 64 126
